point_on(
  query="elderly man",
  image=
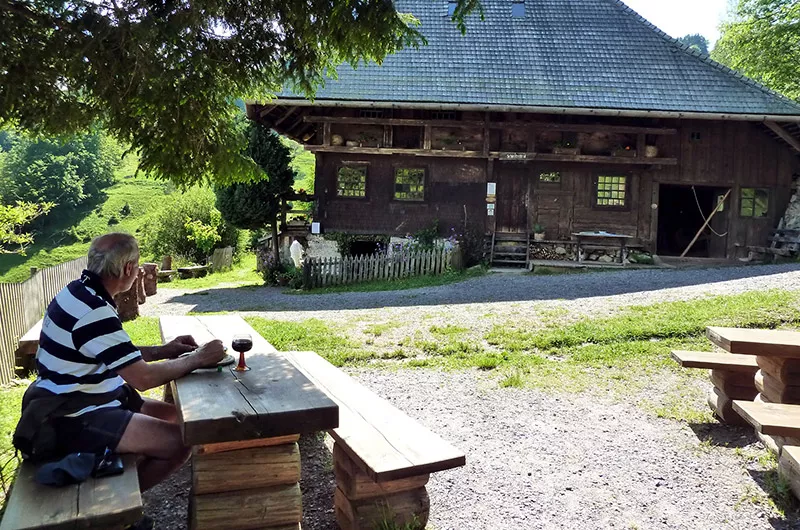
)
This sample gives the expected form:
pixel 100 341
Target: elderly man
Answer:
pixel 85 398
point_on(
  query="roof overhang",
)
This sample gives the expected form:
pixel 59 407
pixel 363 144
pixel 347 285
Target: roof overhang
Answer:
pixel 472 107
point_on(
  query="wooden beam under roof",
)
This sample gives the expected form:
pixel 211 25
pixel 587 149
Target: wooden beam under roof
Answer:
pixel 784 134
pixel 285 116
pixel 541 126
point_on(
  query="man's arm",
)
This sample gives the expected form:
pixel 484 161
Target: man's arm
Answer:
pixel 144 376
pixel 170 350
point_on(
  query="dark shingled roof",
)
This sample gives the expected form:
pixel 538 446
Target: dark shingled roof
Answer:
pixel 563 53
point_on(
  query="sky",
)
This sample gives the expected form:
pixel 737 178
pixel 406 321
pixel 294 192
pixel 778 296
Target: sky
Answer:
pixel 682 17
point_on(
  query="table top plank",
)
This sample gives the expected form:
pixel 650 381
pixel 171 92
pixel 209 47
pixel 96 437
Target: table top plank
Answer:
pixel 716 361
pixel 764 342
pixel 774 419
pixel 283 378
pixel 272 399
pixel 425 451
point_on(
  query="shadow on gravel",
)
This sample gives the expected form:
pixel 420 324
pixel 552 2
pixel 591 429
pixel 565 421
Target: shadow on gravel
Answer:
pixel 722 435
pixel 317 483
pixel 496 287
pixel 769 482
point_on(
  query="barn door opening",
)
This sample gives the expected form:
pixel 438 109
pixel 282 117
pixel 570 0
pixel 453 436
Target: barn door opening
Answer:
pixel 512 198
pixel 682 211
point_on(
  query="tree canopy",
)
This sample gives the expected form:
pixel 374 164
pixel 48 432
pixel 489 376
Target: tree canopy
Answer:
pixel 696 42
pixel 164 77
pixel 762 40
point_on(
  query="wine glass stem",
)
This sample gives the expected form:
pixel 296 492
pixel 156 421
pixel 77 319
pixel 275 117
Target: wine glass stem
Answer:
pixel 241 365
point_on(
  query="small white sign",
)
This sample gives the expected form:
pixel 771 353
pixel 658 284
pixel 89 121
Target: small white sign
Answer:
pixel 490 209
pixel 315 228
pixel 491 189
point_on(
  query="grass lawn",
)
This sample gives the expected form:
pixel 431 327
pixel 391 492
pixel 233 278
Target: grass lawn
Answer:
pixel 243 273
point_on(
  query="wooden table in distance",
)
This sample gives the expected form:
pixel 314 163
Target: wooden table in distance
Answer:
pixel 619 238
pixel 244 428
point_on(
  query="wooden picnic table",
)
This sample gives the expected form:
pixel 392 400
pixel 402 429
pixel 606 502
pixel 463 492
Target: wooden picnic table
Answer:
pixel 777 354
pixel 620 239
pixel 244 428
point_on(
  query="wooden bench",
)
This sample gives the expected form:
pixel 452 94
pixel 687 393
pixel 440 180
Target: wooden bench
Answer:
pixel 782 242
pixel 195 271
pixel 733 377
pixel 382 457
pixel 110 502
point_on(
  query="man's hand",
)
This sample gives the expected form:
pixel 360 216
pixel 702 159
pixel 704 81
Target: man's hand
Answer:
pixel 210 353
pixel 178 346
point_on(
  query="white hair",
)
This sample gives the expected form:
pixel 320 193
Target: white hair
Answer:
pixel 109 253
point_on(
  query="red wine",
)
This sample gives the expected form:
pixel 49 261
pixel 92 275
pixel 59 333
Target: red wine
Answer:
pixel 242 345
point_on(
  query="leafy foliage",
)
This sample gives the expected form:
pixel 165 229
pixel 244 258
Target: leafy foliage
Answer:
pixel 12 220
pixel 255 204
pixel 696 42
pixel 164 77
pixel 187 225
pixel 67 173
pixel 763 41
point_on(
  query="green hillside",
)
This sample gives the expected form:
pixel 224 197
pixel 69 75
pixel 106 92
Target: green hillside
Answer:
pixel 68 237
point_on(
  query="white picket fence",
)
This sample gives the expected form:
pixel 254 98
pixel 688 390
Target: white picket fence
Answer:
pixel 23 304
pixel 326 272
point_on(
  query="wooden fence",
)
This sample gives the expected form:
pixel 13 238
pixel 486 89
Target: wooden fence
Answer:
pixel 326 272
pixel 23 304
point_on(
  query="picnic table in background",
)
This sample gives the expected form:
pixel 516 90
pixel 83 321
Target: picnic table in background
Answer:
pixel 244 428
pixel 620 239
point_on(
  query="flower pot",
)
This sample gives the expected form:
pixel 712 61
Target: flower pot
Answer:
pixel 538 236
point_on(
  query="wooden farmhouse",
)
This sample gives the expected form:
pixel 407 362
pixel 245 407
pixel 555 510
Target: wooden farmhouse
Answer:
pixel 561 115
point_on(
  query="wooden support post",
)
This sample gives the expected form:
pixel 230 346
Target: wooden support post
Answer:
pixel 244 485
pixel 427 138
pixel 640 145
pixel 362 504
pixel 326 134
pixel 388 136
pixel 285 116
pixel 708 220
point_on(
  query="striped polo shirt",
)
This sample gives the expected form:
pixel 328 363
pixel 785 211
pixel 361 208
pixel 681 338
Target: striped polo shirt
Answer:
pixel 82 346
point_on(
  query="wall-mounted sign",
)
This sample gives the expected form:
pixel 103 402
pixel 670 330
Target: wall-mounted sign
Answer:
pixel 491 189
pixel 315 228
pixel 513 156
pixel 490 209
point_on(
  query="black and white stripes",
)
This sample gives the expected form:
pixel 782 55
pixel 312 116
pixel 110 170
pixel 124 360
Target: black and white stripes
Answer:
pixel 83 344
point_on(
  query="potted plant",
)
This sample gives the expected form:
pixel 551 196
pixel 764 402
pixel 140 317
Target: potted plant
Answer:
pixel 566 147
pixel 538 232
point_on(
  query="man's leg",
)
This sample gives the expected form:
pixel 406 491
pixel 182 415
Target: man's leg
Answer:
pixel 159 409
pixel 161 444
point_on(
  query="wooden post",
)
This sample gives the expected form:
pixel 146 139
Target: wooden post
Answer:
pixel 150 278
pixel 708 220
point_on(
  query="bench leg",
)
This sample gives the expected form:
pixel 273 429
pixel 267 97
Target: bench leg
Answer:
pixel 362 504
pixel 246 485
pixel 728 386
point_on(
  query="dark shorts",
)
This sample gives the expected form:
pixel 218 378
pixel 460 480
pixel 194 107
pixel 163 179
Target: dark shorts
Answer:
pixel 96 431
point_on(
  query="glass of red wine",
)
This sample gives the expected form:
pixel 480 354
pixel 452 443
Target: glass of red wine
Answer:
pixel 242 343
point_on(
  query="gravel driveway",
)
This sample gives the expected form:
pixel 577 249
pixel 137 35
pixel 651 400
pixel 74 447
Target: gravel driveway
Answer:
pixel 536 460
pixel 588 293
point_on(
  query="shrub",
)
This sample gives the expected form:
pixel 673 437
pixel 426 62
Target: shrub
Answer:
pixel 187 224
pixel 113 220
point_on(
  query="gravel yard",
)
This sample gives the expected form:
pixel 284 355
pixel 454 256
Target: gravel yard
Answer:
pixel 535 460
